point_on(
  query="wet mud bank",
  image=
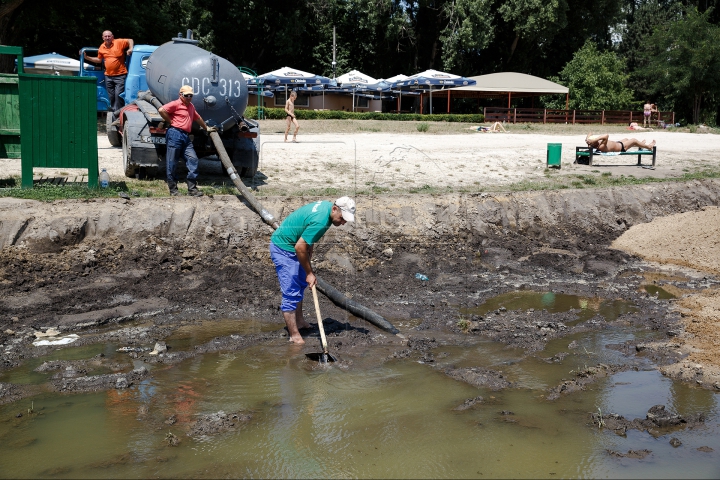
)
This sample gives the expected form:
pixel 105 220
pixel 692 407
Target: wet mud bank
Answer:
pixel 132 273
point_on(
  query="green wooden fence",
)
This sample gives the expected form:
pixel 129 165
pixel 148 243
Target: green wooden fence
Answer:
pixel 48 121
pixel 10 107
pixel 58 122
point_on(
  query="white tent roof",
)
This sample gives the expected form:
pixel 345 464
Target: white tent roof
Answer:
pixel 512 82
pixel 354 77
pixel 396 78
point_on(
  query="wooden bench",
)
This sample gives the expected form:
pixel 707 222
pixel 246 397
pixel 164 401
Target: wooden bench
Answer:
pixel 589 153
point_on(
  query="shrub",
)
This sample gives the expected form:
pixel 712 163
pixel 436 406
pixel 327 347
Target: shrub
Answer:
pixel 279 114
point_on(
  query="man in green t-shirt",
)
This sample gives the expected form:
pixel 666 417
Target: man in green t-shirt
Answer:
pixel 291 248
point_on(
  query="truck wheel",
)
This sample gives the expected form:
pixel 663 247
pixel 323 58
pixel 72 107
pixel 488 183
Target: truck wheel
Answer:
pixel 112 131
pixel 127 166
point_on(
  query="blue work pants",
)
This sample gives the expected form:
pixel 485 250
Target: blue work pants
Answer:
pixel 178 143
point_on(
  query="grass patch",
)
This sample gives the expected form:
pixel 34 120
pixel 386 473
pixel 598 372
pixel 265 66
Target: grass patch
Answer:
pixel 423 127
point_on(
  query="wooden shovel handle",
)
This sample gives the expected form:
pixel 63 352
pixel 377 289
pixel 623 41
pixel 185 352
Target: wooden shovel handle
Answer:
pixel 319 319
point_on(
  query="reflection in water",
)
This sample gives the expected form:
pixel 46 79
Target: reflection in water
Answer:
pixel 392 420
pixel 586 307
pixel 660 292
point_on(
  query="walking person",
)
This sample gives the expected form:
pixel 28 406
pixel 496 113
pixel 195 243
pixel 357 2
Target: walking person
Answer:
pixel 290 117
pixel 291 248
pixel 179 115
pixel 114 51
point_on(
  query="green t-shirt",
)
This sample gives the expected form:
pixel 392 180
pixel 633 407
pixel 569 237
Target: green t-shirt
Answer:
pixel 309 222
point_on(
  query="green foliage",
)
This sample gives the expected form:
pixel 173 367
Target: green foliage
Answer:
pixel 422 127
pixel 641 24
pixel 597 81
pixel 468 31
pixel 279 114
pixel 684 61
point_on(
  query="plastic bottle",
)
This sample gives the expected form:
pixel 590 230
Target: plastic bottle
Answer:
pixel 422 277
pixel 104 179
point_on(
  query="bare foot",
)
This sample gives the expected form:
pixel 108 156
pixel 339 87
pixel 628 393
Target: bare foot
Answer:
pixel 297 340
pixel 286 139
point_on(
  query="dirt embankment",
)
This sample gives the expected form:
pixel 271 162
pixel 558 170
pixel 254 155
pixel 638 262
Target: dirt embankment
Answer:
pixel 76 265
pixel 689 239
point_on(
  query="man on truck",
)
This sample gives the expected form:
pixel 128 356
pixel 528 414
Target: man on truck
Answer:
pixel 114 51
pixel 291 248
pixel 179 116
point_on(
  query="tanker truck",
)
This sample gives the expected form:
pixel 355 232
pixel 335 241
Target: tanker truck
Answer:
pixel 155 75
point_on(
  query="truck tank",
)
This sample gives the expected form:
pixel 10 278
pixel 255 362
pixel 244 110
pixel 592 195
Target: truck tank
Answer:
pixel 220 91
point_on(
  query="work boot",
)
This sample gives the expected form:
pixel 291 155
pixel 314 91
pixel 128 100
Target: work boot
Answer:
pixel 172 186
pixel 193 190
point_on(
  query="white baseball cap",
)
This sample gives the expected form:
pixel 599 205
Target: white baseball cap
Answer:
pixel 347 207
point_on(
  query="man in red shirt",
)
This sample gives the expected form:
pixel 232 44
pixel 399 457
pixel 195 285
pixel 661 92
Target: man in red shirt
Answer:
pixel 114 51
pixel 180 115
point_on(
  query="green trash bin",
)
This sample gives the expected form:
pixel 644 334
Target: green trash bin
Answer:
pixel 554 153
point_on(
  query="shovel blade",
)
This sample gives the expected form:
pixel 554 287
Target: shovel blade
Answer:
pixel 321 357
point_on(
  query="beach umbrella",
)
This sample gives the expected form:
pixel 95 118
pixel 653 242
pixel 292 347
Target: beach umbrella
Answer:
pixel 282 77
pixel 353 80
pixel 291 76
pixel 52 61
pixel 425 81
pixel 392 81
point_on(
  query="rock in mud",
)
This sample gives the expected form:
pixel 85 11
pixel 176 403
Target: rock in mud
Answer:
pixel 96 383
pixel 172 440
pixel 675 442
pixel 480 377
pixel 160 347
pixel 638 454
pixel 468 404
pixel 657 421
pixel 582 379
pixel 10 393
pixel 219 422
pixel 705 449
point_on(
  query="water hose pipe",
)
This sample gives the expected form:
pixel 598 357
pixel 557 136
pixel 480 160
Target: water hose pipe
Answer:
pixel 325 288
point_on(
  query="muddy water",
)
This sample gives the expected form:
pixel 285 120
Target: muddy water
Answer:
pixel 587 307
pixel 364 419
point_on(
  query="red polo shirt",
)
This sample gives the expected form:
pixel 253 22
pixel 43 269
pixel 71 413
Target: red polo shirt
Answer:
pixel 182 115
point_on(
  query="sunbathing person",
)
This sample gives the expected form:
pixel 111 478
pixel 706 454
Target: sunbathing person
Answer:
pixel 602 143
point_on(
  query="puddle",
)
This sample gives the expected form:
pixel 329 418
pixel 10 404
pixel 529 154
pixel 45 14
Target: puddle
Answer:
pixel 25 375
pixel 185 336
pixel 660 292
pixel 395 420
pixel 587 307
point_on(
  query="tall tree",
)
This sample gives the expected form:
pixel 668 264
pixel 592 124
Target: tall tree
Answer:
pixel 42 26
pixel 468 32
pixel 642 20
pixel 684 62
pixel 597 81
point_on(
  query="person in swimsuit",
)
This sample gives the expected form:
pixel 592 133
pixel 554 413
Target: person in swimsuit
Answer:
pixel 604 144
pixel 647 111
pixel 290 117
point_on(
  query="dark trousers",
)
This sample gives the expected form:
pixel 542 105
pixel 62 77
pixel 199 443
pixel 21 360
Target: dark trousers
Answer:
pixel 115 86
pixel 178 143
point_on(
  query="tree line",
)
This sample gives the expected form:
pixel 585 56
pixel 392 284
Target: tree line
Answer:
pixel 612 54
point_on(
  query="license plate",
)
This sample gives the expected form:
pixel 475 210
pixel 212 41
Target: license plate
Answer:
pixel 155 140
